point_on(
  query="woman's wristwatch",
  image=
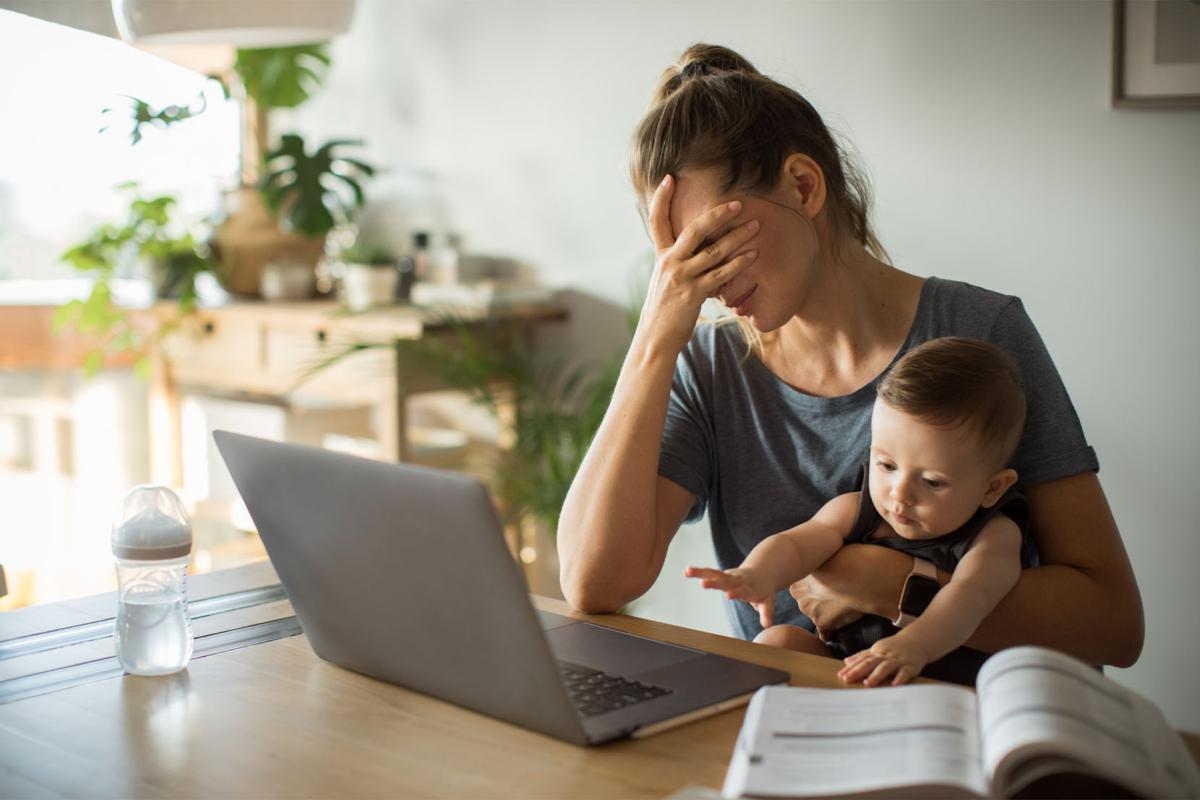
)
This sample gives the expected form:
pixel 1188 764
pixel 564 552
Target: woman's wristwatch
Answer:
pixel 919 588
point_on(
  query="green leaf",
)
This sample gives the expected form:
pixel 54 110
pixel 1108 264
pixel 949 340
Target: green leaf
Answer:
pixel 128 339
pixel 306 188
pixel 359 197
pixel 141 115
pixel 148 231
pixel 282 77
pixel 143 368
pixel 220 81
pixel 66 315
pixel 326 150
pixel 361 166
pixel 93 362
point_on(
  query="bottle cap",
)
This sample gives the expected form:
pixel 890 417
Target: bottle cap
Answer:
pixel 151 525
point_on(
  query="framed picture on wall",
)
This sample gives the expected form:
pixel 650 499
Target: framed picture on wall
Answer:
pixel 1156 54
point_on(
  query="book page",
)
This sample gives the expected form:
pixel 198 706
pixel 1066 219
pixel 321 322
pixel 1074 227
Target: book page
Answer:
pixel 798 742
pixel 1042 711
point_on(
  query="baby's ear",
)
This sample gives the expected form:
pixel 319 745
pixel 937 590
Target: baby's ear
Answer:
pixel 998 484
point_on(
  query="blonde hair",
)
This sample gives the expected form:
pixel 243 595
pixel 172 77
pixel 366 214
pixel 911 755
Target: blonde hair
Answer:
pixel 712 108
pixel 952 382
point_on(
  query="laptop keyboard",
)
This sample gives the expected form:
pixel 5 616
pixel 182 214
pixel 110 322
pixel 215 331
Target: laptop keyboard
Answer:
pixel 595 692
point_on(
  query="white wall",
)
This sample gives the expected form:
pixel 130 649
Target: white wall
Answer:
pixel 995 157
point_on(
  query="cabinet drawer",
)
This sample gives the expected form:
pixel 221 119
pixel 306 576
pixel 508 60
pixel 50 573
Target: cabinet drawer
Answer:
pixel 221 352
pixel 298 356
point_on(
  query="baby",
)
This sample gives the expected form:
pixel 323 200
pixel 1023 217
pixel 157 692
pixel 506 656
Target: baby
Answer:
pixel 946 421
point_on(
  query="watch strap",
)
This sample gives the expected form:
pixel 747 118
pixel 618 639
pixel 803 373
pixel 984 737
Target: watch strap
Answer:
pixel 921 568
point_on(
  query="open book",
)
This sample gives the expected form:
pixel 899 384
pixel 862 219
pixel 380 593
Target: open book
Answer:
pixel 1041 724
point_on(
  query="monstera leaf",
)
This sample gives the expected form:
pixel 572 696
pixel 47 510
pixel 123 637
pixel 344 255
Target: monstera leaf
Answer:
pixel 308 189
pixel 282 77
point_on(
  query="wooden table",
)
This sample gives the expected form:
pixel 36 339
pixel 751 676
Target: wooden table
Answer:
pixel 273 720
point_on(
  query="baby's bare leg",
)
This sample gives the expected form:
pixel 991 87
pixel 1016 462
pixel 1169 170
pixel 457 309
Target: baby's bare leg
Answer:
pixel 793 638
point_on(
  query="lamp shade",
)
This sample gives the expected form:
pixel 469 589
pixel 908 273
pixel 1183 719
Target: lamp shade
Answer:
pixel 243 23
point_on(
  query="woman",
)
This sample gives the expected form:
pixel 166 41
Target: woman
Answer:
pixel 748 199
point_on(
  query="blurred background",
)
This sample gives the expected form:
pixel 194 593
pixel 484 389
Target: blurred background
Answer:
pixel 499 131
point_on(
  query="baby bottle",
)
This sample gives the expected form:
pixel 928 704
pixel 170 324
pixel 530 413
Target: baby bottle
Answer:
pixel 151 539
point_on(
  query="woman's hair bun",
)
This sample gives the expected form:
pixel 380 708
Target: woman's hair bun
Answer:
pixel 698 61
pixel 707 59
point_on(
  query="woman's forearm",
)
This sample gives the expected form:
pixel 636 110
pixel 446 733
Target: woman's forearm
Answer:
pixel 1056 606
pixel 608 538
pixel 1064 608
pixel 1095 618
pixel 1084 599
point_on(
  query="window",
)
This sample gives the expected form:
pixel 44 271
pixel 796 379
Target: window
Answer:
pixel 58 173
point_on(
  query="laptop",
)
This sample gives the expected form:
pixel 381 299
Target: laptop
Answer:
pixel 402 573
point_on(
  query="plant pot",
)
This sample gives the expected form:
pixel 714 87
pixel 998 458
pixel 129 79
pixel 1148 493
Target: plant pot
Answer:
pixel 249 238
pixel 286 280
pixel 366 285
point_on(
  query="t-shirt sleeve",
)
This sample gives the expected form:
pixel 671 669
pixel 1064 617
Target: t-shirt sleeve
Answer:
pixel 1053 445
pixel 686 454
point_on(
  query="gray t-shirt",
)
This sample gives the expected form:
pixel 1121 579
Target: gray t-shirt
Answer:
pixel 764 457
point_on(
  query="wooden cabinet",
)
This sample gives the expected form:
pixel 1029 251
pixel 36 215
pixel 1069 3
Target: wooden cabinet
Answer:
pixel 280 353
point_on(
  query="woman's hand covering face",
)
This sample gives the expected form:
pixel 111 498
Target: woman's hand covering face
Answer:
pixel 692 267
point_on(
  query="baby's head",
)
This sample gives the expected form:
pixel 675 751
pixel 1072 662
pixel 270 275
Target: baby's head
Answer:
pixel 947 420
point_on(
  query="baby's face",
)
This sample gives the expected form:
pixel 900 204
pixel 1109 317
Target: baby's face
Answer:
pixel 925 481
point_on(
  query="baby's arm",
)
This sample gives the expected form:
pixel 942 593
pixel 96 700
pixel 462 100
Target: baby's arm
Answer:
pixel 784 558
pixel 988 570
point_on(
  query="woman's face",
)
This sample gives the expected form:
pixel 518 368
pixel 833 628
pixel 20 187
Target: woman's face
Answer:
pixel 771 290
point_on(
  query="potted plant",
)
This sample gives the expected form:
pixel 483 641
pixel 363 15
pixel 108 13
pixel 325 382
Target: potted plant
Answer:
pixel 249 238
pixel 310 191
pixel 172 254
pixel 284 215
pixel 370 276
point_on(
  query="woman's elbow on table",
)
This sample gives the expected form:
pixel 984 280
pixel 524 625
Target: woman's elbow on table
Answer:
pixel 590 593
pixel 581 591
pixel 593 586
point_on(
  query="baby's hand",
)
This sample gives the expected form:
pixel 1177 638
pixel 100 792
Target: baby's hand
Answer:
pixel 739 584
pixel 894 655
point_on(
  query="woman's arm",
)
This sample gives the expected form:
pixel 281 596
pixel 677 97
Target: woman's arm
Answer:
pixel 985 574
pixel 1082 600
pixel 619 515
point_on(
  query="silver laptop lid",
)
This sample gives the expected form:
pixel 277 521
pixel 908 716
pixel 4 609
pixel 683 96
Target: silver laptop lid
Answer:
pixel 403 574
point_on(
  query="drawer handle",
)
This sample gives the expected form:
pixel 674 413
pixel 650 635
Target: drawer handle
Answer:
pixel 322 336
pixel 209 326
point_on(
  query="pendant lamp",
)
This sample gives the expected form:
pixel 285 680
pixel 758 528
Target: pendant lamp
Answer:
pixel 242 23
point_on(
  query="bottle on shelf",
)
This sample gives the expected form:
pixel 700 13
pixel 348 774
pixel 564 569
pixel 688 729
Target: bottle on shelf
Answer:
pixel 447 260
pixel 422 261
